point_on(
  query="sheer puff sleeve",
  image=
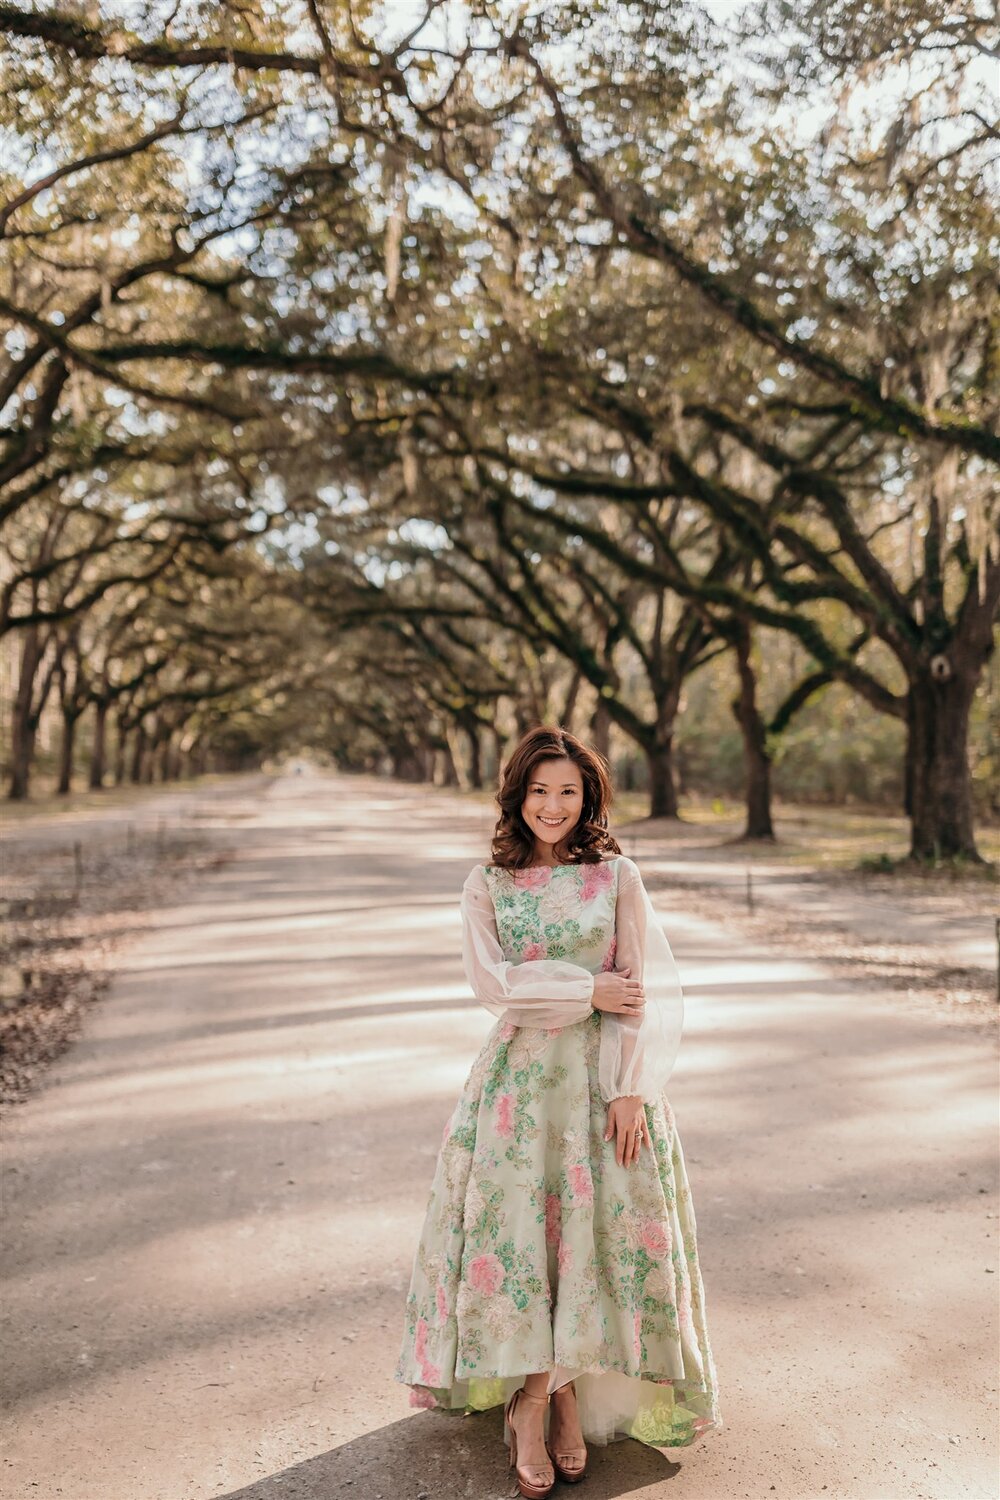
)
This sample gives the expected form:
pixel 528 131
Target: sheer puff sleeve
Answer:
pixel 544 992
pixel 638 1053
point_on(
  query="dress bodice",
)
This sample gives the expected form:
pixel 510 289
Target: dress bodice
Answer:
pixel 558 911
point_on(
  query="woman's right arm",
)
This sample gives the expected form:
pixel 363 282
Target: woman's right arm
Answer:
pixel 543 992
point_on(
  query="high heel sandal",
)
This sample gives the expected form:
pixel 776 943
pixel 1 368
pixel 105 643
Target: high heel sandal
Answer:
pixel 570 1465
pixel 532 1488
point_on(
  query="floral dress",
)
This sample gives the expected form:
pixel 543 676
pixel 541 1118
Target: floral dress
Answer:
pixel 538 1251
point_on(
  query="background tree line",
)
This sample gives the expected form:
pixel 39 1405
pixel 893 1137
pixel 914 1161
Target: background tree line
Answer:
pixel 385 387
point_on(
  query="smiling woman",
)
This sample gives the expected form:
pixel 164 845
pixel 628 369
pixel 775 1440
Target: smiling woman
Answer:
pixel 557 1268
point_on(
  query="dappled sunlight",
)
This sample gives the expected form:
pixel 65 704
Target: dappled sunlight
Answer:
pixel 386 384
pixel 227 1177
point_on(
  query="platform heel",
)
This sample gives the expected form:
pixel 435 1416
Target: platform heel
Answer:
pixel 570 1465
pixel 531 1480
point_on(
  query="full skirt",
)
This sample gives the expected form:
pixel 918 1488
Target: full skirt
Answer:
pixel 539 1252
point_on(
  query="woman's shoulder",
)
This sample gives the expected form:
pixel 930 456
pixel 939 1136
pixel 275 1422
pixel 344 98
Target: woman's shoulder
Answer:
pixel 621 859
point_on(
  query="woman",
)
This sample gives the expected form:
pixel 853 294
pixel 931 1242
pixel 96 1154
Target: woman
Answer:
pixel 557 1269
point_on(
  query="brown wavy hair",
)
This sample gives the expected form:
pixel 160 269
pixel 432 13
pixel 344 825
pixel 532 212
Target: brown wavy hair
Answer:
pixel 588 839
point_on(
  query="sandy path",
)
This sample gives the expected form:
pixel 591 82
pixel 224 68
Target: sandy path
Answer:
pixel 97 824
pixel 210 1210
pixel 873 910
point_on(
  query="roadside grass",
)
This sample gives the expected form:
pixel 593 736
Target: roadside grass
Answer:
pixel 810 838
pixel 45 804
pixel 69 898
pixel 822 839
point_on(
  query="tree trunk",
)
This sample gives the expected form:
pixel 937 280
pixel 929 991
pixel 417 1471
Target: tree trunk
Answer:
pixel 65 783
pixel 163 757
pixel 475 756
pixel 600 728
pixel 122 732
pixel 24 723
pixel 755 757
pixel 939 786
pixel 659 751
pixel 454 756
pixel 174 759
pixel 662 787
pixel 408 762
pixel 496 758
pixel 572 697
pixel 138 755
pixel 149 761
pixel 22 752
pixel 440 770
pixel 98 749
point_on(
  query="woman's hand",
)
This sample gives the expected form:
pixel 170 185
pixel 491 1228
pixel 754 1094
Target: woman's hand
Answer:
pixel 618 993
pixel 627 1123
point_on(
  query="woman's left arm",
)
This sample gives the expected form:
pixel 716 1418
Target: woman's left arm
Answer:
pixel 638 1053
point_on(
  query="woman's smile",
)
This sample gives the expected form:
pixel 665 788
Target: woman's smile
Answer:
pixel 560 778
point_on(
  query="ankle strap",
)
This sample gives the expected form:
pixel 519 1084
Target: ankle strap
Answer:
pixel 529 1397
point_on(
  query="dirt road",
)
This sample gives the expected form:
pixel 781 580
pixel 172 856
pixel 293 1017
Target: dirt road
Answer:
pixel 210 1210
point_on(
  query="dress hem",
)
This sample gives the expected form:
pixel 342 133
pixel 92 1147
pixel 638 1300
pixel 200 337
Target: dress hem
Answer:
pixel 659 1411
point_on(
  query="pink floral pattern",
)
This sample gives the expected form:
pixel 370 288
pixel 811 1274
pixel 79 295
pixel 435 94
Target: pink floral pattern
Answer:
pixel 430 1373
pixel 581 1184
pixel 561 911
pixel 505 1115
pixel 655 1238
pixel 486 1274
pixel 553 1218
pixel 537 1247
pixel 596 878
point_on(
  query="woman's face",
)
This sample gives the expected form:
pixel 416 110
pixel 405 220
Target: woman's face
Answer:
pixel 553 799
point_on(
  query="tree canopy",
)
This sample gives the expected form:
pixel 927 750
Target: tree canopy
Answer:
pixel 436 357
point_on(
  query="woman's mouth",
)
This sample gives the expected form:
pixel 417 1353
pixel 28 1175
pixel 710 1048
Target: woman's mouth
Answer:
pixel 551 822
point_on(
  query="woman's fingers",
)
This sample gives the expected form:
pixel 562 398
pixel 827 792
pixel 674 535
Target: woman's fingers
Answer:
pixel 629 1130
pixel 627 1145
pixel 640 1134
pixel 635 997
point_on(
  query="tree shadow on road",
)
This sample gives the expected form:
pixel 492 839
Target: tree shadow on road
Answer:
pixel 445 1456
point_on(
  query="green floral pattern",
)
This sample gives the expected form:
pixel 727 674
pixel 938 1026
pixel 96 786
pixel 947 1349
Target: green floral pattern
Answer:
pixel 537 1248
